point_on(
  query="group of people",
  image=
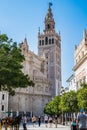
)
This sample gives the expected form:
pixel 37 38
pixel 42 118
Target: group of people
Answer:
pixel 34 119
pixel 47 120
pixel 80 123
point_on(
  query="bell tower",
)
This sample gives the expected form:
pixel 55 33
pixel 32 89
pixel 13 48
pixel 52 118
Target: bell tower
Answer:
pixel 49 20
pixel 49 44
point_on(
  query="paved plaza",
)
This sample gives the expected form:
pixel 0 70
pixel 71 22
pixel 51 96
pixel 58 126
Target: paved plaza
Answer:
pixel 42 127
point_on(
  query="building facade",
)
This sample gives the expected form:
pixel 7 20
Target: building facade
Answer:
pixel 44 69
pixel 80 60
pixel 4 98
pixel 32 99
pixel 71 83
pixel 49 45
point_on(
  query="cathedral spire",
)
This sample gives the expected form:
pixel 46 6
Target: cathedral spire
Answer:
pixel 25 40
pixel 49 20
pixel 25 44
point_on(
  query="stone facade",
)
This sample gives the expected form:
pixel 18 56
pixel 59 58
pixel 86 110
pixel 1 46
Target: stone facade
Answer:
pixel 80 60
pixel 49 45
pixel 32 99
pixel 44 69
pixel 72 83
pixel 4 103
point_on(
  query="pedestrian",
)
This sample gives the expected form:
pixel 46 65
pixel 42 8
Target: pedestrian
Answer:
pixel 46 120
pixel 55 120
pixel 50 121
pixel 86 119
pixel 39 121
pixel 82 120
pixel 74 125
pixel 24 122
pixel 34 120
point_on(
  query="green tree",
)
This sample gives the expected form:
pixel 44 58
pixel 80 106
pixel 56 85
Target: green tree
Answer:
pixel 63 102
pixel 56 104
pixel 82 97
pixel 52 107
pixel 11 75
pixel 69 102
pixel 49 108
pixel 84 85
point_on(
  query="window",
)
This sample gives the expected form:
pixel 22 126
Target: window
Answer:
pixel 48 26
pixel 3 96
pixel 42 42
pixel 49 41
pixel 52 40
pixel 2 107
pixel 46 40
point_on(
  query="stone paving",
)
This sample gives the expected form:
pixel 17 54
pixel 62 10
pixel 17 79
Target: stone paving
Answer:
pixel 42 127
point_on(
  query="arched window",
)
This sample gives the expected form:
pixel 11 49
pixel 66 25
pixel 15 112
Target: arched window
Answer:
pixel 40 42
pixel 46 40
pixel 48 26
pixel 52 40
pixel 49 41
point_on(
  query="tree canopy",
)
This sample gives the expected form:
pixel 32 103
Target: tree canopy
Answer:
pixel 11 75
pixel 52 107
pixel 82 97
pixel 49 108
pixel 69 102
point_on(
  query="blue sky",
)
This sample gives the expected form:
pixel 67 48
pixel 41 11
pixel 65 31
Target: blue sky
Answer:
pixel 20 18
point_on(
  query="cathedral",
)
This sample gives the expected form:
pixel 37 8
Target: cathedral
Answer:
pixel 44 69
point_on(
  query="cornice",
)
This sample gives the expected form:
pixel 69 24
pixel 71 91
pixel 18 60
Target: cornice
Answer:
pixel 80 62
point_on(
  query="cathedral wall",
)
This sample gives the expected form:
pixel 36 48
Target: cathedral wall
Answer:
pixel 29 103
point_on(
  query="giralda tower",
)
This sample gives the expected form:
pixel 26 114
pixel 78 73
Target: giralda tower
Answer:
pixel 49 45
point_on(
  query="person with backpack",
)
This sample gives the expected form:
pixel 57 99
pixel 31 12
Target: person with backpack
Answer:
pixel 74 125
pixel 82 120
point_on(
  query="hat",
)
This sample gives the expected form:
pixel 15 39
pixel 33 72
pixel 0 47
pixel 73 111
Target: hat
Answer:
pixel 81 110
